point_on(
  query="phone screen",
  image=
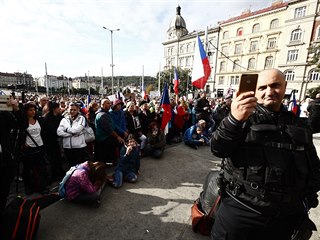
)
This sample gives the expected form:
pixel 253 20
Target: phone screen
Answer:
pixel 248 83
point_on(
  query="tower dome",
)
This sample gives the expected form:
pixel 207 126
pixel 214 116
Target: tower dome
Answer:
pixel 177 26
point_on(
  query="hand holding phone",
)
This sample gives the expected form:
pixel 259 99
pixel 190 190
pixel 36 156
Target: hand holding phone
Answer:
pixel 248 83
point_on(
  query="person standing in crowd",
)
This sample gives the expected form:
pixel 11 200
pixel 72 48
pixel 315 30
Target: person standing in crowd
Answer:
pixel 51 122
pixel 33 158
pixel 134 125
pixel 71 130
pixel 145 116
pixel 107 139
pixel 203 110
pixel 86 183
pixel 271 171
pixel 156 141
pixel 42 103
pixel 119 118
pixel 304 114
pixel 221 111
pixel 314 114
pixel 10 123
pixel 129 163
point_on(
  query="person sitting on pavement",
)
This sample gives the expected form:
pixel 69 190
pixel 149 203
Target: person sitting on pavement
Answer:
pixel 86 183
pixel 156 141
pixel 194 137
pixel 128 165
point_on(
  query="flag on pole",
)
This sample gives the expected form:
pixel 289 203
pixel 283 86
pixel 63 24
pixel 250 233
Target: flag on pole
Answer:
pixel 88 100
pixel 165 104
pixel 293 106
pixel 201 67
pixel 176 81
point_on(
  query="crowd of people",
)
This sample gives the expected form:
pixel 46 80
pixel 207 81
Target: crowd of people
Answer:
pixel 47 135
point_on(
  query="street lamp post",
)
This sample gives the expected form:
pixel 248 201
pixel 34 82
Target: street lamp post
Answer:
pixel 112 65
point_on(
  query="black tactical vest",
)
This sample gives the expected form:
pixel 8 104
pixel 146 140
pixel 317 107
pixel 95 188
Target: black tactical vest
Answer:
pixel 272 165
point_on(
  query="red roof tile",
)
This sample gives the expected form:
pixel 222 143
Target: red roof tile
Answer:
pixel 264 10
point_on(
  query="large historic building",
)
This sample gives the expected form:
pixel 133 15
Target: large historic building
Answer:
pixel 277 36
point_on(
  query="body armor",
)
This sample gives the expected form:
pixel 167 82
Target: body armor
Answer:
pixel 272 166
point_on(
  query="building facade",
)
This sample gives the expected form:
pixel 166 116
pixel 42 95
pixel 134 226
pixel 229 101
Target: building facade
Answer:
pixel 277 36
pixel 23 80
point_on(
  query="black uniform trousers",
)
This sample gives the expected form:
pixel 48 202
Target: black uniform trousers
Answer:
pixel 236 222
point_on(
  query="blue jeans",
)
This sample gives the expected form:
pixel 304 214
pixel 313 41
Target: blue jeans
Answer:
pixel 119 176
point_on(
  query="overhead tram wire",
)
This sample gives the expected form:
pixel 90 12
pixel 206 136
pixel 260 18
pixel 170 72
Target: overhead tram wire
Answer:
pixel 228 58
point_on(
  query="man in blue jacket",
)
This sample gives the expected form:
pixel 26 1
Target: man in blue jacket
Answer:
pixel 107 138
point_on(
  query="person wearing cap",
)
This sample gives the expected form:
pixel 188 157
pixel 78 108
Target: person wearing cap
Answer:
pixel 119 118
pixel 107 138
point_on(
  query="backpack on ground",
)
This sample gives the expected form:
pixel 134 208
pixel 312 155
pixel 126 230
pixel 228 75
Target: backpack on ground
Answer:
pixel 21 217
pixel 20 220
pixel 204 208
pixel 62 189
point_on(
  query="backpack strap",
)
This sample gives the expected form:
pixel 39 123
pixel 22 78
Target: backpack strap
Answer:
pixel 29 135
pixel 214 207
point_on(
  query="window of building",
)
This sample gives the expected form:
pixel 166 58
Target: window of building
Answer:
pixel 225 35
pixel 181 49
pixel 223 66
pixel 296 35
pixel 300 12
pixel 181 61
pixel 314 75
pixel 236 65
pixel 289 75
pixel 224 51
pixel 240 31
pixel 254 46
pixel 221 80
pixel 187 48
pixel 238 48
pixel 318 36
pixel 188 61
pixel 272 42
pixel 274 23
pixel 251 63
pixel 269 62
pixel 255 28
pixel 234 80
pixel 292 55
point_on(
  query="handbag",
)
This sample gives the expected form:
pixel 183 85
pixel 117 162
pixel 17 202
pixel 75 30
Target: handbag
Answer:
pixel 88 134
pixel 202 222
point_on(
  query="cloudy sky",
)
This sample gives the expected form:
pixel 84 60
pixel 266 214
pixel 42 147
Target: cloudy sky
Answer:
pixel 68 35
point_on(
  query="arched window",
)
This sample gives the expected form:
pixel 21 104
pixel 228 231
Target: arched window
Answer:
pixel 240 31
pixel 225 35
pixel 223 66
pixel 314 75
pixel 274 23
pixel 268 63
pixel 289 75
pixel 236 65
pixel 251 63
pixel 255 28
pixel 296 35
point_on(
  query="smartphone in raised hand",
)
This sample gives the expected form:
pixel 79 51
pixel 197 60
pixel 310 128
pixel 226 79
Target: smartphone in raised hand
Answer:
pixel 248 83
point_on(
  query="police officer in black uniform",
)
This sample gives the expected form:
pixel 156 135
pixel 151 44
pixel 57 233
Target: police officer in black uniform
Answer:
pixel 271 171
